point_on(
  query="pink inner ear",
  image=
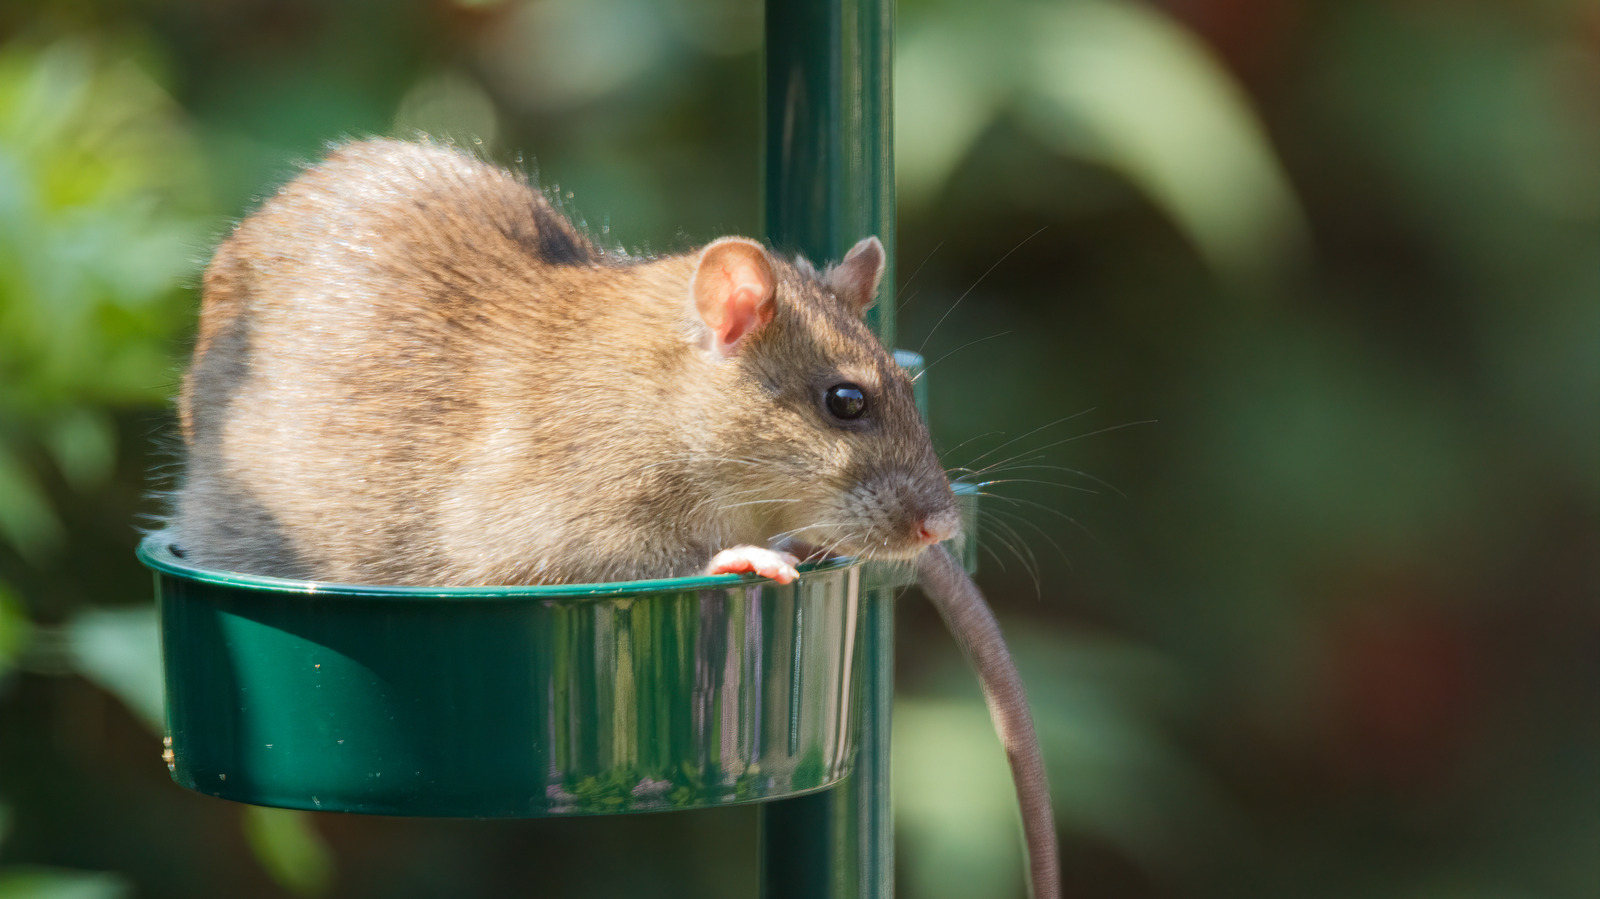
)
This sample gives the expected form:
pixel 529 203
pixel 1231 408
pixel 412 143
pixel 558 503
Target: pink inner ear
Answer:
pixel 747 311
pixel 733 289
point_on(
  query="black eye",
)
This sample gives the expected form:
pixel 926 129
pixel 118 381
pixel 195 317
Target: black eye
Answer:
pixel 846 402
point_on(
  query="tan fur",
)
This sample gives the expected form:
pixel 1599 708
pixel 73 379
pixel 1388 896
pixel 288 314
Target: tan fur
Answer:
pixel 412 370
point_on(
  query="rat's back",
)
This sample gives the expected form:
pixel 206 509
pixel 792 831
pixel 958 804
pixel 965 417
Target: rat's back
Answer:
pixel 342 354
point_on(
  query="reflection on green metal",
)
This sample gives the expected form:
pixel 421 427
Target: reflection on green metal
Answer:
pixel 829 181
pixel 507 701
pixel 965 547
pixel 829 161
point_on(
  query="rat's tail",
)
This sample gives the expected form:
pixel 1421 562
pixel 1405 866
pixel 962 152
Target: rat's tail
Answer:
pixel 972 623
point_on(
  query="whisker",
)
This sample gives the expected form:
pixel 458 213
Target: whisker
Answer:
pixel 833 548
pixel 1030 564
pixel 785 535
pixel 975 285
pixel 1041 506
pixel 1023 519
pixel 901 304
pixel 970 439
pixel 757 502
pixel 673 460
pixel 1024 457
pixel 744 492
pixel 1037 481
pixel 958 349
pixel 1128 424
pixel 1042 427
pixel 996 469
pixel 983 546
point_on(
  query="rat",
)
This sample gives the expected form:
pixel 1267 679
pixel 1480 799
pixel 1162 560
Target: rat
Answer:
pixel 412 369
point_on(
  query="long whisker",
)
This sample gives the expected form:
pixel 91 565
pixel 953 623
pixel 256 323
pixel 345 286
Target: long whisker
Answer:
pixel 901 304
pixel 758 502
pixel 1128 424
pixel 785 535
pixel 997 469
pixel 1041 506
pixel 833 548
pixel 974 286
pixel 1023 519
pixel 972 438
pixel 1030 564
pixel 958 349
pixel 673 460
pixel 1037 481
pixel 744 492
pixel 983 546
pixel 1042 427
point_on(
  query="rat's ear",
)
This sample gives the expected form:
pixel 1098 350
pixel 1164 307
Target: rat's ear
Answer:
pixel 855 280
pixel 733 289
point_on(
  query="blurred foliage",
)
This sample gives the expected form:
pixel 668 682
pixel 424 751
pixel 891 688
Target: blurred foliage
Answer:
pixel 120 650
pixel 1328 627
pixel 35 882
pixel 92 249
pixel 14 631
pixel 1116 84
pixel 44 883
pixel 290 848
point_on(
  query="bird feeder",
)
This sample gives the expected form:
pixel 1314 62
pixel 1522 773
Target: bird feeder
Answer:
pixel 510 702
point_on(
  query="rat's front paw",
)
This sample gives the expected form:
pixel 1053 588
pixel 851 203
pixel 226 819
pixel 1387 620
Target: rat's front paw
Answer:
pixel 765 562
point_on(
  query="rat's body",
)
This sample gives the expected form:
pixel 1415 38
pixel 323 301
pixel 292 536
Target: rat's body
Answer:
pixel 412 370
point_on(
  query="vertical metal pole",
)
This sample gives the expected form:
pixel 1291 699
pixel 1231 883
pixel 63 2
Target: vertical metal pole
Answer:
pixel 829 154
pixel 829 181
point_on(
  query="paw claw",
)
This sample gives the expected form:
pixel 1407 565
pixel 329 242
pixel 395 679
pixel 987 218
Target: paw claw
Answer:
pixel 765 562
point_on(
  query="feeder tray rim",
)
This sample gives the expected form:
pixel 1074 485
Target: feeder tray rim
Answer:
pixel 155 551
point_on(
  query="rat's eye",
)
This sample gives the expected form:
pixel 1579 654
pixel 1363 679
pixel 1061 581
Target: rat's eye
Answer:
pixel 846 402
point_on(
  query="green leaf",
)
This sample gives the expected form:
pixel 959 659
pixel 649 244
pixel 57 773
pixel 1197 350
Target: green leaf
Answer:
pixel 290 849
pixel 26 520
pixel 84 446
pixel 98 187
pixel 954 803
pixel 120 650
pixel 947 91
pixel 1109 82
pixel 55 883
pixel 15 628
pixel 1122 84
pixel 1114 774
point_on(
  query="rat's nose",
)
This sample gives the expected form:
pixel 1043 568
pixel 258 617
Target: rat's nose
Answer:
pixel 939 527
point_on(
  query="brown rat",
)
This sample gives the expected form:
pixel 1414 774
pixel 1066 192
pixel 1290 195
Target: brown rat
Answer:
pixel 412 370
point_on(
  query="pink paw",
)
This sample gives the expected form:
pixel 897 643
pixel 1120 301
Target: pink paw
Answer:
pixel 765 562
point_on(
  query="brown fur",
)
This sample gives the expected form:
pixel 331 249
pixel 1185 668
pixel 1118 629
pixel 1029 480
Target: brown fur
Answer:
pixel 412 370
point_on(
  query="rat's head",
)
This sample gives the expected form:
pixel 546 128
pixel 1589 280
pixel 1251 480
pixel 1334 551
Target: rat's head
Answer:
pixel 819 436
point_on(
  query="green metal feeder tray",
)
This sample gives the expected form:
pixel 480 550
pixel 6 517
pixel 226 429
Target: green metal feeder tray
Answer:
pixel 517 702
pixel 507 702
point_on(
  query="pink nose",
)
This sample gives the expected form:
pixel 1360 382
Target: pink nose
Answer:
pixel 938 528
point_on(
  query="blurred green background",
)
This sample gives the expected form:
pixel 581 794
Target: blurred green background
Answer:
pixel 1278 322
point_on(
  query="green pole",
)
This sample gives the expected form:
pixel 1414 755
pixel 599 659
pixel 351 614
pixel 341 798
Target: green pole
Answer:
pixel 829 152
pixel 829 181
